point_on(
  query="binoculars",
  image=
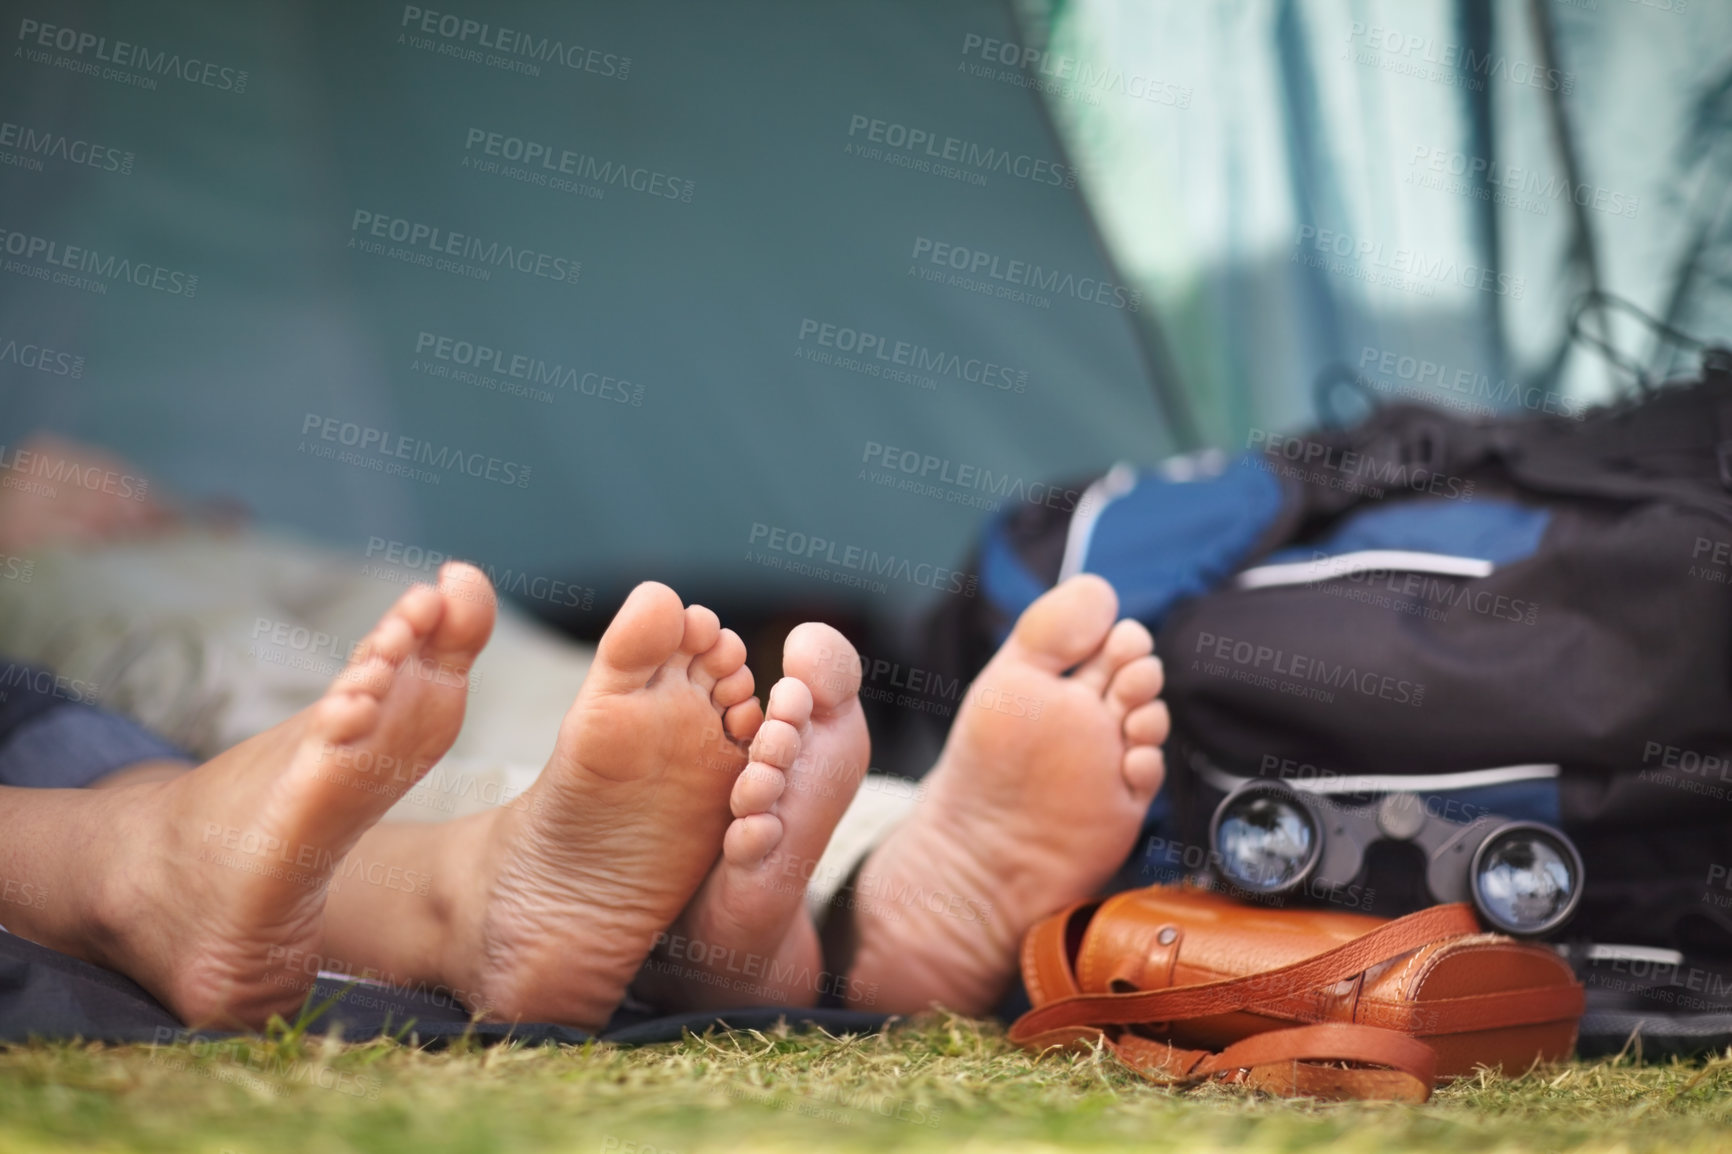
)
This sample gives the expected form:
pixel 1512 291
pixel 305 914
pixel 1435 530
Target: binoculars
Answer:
pixel 1269 839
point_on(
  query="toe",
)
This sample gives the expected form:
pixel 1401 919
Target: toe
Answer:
pixel 725 657
pixel 368 676
pixel 1126 641
pixel 824 660
pixel 733 689
pixel 1148 724
pixel 749 840
pixel 756 789
pixel 703 629
pixel 1135 684
pixel 742 721
pixel 644 634
pixel 420 608
pixel 790 702
pixel 778 742
pixel 1144 770
pixel 1066 624
pixel 467 621
pixel 340 718
pixel 402 628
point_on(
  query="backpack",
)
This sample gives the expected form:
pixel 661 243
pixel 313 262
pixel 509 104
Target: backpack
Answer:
pixel 1524 615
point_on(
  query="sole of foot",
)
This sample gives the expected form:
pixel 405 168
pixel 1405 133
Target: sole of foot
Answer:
pixel 571 883
pixel 746 939
pixel 1035 801
pixel 215 896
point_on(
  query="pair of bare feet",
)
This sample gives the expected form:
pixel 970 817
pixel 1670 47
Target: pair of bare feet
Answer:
pixel 672 810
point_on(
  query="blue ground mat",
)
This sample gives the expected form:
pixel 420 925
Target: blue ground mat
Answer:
pixel 1679 1007
pixel 45 994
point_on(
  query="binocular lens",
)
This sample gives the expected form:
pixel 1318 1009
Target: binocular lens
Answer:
pixel 1525 881
pixel 1265 842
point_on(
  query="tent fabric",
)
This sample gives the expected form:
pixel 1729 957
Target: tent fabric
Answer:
pixel 1413 195
pixel 746 361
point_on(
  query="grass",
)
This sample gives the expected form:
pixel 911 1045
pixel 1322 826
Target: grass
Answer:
pixel 936 1084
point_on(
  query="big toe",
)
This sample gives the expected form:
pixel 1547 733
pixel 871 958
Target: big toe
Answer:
pixel 644 634
pixel 1067 623
pixel 822 658
pixel 470 608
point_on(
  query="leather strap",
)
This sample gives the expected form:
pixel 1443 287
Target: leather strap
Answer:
pixel 1299 1060
pixel 1207 999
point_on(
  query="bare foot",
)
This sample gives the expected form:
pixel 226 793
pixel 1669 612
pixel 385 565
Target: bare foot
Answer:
pixel 1035 800
pixel 571 885
pixel 214 879
pixel 746 938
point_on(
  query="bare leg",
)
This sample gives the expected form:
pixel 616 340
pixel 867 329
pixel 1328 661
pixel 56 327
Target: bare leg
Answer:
pixel 202 887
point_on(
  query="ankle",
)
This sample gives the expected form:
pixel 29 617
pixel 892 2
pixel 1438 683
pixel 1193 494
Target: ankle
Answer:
pixel 935 931
pixel 459 898
pixel 119 874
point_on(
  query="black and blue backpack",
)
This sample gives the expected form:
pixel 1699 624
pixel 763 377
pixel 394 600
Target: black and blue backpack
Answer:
pixel 1526 615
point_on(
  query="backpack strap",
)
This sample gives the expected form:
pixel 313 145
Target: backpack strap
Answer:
pixel 1301 1060
pixel 1673 446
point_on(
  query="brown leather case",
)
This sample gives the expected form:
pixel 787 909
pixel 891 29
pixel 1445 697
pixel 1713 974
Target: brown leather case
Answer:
pixel 1186 985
